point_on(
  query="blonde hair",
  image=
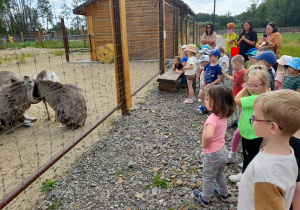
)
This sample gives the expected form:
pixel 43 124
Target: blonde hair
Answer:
pixel 282 107
pixel 238 59
pixel 221 49
pixel 282 68
pixel 259 71
pixel 264 48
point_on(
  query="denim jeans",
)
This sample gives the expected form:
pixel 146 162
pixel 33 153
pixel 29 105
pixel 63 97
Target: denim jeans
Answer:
pixel 213 169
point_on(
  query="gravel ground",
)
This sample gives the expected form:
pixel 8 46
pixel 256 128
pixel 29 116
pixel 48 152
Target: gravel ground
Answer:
pixel 161 137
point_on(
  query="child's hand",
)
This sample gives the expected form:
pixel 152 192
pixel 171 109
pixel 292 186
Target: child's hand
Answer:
pixel 223 71
pixel 198 76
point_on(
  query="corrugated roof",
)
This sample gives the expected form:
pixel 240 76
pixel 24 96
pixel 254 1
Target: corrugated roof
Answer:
pixel 184 8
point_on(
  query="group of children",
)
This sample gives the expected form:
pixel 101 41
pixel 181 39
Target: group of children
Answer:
pixel 270 177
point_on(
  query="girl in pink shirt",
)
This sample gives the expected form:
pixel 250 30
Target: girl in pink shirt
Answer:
pixel 219 101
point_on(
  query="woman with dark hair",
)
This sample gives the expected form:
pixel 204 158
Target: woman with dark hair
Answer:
pixel 272 39
pixel 209 37
pixel 247 39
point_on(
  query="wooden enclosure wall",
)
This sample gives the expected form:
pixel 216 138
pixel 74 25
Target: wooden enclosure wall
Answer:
pixel 99 25
pixel 142 28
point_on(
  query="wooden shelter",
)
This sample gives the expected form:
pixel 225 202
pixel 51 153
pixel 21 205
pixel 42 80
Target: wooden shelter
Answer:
pixel 142 18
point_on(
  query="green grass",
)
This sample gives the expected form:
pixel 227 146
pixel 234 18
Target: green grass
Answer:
pixel 47 44
pixel 159 182
pixel 48 185
pixel 290 43
pixel 55 204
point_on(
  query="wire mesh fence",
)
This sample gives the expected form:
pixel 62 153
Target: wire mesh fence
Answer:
pixel 50 103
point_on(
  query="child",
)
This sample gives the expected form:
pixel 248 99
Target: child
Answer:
pixel 176 64
pixel 281 71
pixel 190 71
pixel 292 81
pixel 224 63
pixel 270 179
pixel 183 47
pixel 268 58
pixel 238 79
pixel 295 144
pixel 212 76
pixel 202 63
pixel 257 82
pixel 251 61
pixel 219 100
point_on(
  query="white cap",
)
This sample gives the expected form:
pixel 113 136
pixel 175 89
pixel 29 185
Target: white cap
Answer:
pixel 184 46
pixel 203 58
pixel 284 59
pixel 204 50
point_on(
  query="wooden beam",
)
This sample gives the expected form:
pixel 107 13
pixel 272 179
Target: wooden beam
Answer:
pixel 65 39
pixel 194 40
pixel 161 31
pixel 187 30
pixel 182 29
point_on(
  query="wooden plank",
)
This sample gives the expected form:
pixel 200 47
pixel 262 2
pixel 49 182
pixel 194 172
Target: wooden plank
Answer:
pixel 170 77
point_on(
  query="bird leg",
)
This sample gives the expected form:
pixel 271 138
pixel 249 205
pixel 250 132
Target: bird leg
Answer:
pixel 47 109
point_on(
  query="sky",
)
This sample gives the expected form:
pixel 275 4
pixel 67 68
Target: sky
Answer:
pixel 222 7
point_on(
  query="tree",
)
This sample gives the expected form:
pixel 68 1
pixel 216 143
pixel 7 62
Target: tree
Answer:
pixel 44 10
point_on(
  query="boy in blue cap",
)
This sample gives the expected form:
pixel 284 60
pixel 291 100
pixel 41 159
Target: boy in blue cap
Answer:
pixel 252 52
pixel 267 58
pixel 292 81
pixel 212 76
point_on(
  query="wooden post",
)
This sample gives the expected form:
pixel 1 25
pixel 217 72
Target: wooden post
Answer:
pixel 83 36
pixel 187 30
pixel 194 40
pixel 174 34
pixel 65 39
pixel 22 36
pixel 182 29
pixel 162 49
pixel 178 27
pixel 197 35
pixel 41 38
pixel 121 48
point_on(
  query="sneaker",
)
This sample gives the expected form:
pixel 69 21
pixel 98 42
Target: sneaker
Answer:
pixel 231 156
pixel 241 165
pixel 233 124
pixel 238 184
pixel 223 197
pixel 198 196
pixel 235 178
pixel 194 99
pixel 202 110
pixel 189 101
pixel 199 100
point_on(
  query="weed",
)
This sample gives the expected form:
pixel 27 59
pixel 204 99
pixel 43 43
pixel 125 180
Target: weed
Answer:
pixel 175 138
pixel 48 185
pixel 121 173
pixel 190 170
pixel 190 205
pixel 159 182
pixel 178 172
pixel 147 186
pixel 57 52
pixel 55 204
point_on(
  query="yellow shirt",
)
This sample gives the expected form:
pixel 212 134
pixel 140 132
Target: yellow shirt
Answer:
pixel 232 44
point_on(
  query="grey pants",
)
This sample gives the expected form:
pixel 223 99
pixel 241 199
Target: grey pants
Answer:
pixel 213 169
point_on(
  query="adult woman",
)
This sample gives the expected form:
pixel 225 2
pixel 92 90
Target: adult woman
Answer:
pixel 247 39
pixel 273 39
pixel 209 37
pixel 231 39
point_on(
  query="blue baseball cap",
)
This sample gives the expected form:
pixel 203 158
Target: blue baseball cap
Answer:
pixel 184 59
pixel 295 63
pixel 215 52
pixel 252 51
pixel 268 56
pixel 205 46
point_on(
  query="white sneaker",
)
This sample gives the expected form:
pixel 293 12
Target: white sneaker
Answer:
pixel 238 184
pixel 199 100
pixel 241 165
pixel 231 156
pixel 194 99
pixel 235 178
pixel 189 101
